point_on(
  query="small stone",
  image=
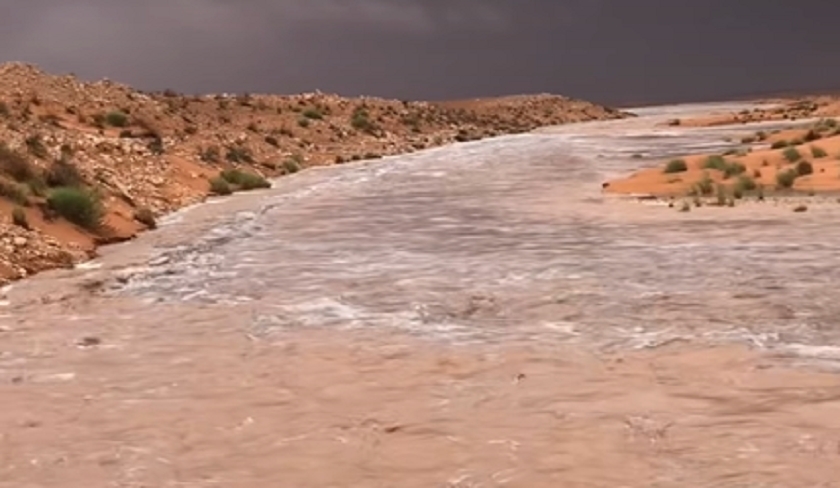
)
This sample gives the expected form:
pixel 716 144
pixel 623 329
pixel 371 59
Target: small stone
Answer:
pixel 89 341
pixel 20 241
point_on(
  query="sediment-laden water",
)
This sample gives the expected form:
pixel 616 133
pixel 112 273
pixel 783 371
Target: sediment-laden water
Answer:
pixel 474 315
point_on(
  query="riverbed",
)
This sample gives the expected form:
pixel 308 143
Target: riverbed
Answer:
pixel 476 315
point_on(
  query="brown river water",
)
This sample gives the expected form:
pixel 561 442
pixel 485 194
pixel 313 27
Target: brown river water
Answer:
pixel 477 315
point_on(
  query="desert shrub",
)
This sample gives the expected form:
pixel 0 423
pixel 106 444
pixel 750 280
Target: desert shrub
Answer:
pixel 126 134
pixel 812 135
pixel 239 154
pixel 818 152
pixel 4 109
pixel 715 162
pixel 313 113
pixel 748 139
pixel 155 146
pixel 146 217
pixel 19 218
pixel 804 168
pixel 63 173
pixel 244 180
pixel 779 144
pixel 16 164
pixel 78 205
pixel 722 195
pixel 800 208
pixel 291 166
pixel 210 154
pixel 14 192
pixel 116 118
pixel 191 130
pixel 705 186
pixel 746 183
pixel 733 169
pixel 726 167
pixel 792 154
pixel 220 186
pixel 761 135
pixel 253 127
pixel 35 146
pixel 360 120
pixel 785 179
pixel 272 141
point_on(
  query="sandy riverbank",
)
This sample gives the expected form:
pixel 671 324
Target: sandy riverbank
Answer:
pixel 803 160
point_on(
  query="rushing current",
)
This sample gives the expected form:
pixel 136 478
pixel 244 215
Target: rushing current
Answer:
pixel 379 324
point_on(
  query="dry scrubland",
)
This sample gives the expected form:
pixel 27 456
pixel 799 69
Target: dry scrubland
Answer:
pixel 789 162
pixel 83 164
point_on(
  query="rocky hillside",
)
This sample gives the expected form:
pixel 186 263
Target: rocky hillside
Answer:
pixel 82 164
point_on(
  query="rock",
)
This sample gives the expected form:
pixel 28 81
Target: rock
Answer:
pixel 20 241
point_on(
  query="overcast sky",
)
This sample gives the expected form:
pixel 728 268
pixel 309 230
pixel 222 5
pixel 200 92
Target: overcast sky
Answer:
pixel 612 51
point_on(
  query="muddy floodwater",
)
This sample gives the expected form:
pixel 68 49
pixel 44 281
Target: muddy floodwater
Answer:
pixel 479 315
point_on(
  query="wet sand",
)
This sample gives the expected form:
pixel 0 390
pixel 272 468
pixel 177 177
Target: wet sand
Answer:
pixel 480 315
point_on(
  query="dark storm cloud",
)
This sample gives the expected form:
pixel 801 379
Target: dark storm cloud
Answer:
pixel 608 50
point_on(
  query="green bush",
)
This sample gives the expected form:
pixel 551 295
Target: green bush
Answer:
pixel 744 184
pixel 19 218
pixel 779 144
pixel 313 113
pixel 676 166
pixel 116 118
pixel 63 173
pixel 360 120
pixel 14 192
pixel 804 168
pixel 721 195
pixel 705 186
pixel 239 154
pixel 303 122
pixel 272 141
pixel 715 162
pixel 220 186
pixel 210 154
pixel 812 135
pixel 818 152
pixel 291 166
pixel 726 167
pixel 243 180
pixel 792 154
pixel 36 146
pixel 785 179
pixel 78 205
pixel 16 164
